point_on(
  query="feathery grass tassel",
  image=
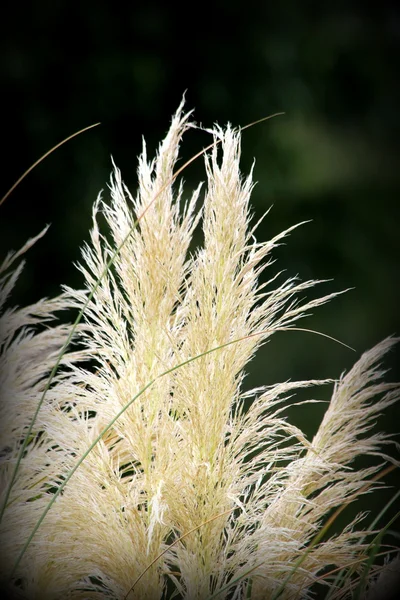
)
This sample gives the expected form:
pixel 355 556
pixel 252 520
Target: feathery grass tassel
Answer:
pixel 193 491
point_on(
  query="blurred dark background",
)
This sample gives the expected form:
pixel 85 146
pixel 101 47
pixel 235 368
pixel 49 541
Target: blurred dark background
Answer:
pixel 333 156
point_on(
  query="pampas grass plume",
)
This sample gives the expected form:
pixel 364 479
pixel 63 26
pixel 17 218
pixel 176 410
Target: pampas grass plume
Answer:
pixel 193 491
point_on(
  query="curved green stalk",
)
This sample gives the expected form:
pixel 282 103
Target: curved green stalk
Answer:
pixel 45 155
pixel 342 575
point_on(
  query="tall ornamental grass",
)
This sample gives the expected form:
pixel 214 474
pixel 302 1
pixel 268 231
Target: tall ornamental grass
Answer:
pixel 135 464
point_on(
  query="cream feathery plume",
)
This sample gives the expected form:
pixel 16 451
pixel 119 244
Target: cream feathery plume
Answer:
pixel 30 343
pixel 193 490
pixel 306 490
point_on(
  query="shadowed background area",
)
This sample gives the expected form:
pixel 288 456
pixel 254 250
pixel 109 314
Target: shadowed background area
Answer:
pixel 332 158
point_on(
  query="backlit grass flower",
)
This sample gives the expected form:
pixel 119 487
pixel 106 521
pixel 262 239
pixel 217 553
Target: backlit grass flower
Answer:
pixel 187 484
